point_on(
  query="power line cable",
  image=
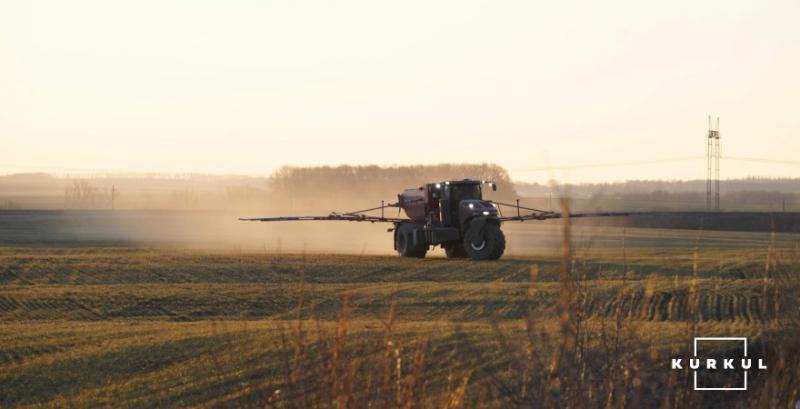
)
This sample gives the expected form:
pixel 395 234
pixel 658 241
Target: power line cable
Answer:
pixel 762 160
pixel 536 169
pixel 609 164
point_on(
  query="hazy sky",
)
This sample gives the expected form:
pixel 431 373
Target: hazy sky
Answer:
pixel 248 86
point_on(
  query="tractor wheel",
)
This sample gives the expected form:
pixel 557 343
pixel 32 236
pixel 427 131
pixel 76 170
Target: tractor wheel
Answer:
pixel 404 242
pixel 484 241
pixel 455 250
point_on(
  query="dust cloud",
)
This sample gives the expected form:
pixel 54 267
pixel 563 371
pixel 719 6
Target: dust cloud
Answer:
pixel 221 230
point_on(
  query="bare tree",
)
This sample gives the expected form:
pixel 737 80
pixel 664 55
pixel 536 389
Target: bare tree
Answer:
pixel 81 194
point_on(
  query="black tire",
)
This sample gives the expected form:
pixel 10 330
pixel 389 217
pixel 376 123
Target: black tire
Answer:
pixel 484 241
pixel 404 242
pixel 455 250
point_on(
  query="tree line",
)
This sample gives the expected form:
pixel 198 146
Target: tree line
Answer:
pixel 352 187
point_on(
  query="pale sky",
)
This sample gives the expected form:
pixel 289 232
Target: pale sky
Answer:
pixel 245 87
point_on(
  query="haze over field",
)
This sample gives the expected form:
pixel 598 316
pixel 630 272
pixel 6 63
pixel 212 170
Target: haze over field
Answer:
pixel 247 87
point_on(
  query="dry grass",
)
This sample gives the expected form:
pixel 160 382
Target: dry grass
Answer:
pixel 586 328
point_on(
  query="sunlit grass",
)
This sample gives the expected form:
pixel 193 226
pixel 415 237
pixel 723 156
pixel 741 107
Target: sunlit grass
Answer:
pixel 134 327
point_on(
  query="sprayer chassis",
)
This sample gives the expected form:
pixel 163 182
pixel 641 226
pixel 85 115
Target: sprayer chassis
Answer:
pixel 451 214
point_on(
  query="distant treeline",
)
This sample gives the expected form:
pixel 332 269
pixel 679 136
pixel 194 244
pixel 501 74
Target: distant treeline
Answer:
pixel 318 189
pixel 137 191
pixel 780 185
pixel 346 188
pixel 351 187
pixel 750 194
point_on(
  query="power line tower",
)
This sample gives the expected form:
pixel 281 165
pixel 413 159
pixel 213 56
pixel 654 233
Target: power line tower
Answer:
pixel 712 168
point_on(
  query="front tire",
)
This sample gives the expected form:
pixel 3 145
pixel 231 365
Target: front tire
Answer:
pixel 404 242
pixel 484 241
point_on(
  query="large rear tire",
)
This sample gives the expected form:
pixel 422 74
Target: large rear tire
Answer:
pixel 484 241
pixel 404 242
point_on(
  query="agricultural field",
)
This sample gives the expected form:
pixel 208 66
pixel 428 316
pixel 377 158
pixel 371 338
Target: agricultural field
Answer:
pixel 590 322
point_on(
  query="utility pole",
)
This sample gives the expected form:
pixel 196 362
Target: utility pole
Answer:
pixel 712 167
pixel 113 193
pixel 716 167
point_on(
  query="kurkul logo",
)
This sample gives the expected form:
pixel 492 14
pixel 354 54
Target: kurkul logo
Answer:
pixel 719 365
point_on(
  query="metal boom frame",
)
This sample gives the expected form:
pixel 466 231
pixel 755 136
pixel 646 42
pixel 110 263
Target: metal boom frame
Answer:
pixel 360 216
